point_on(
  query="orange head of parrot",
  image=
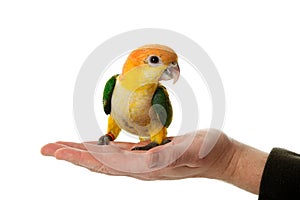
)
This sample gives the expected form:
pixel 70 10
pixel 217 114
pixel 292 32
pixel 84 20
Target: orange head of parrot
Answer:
pixel 159 59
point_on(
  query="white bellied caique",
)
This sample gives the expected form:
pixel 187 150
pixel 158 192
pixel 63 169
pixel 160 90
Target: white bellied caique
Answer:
pixel 135 100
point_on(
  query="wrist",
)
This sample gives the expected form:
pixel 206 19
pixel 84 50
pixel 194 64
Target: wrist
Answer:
pixel 245 166
pixel 220 160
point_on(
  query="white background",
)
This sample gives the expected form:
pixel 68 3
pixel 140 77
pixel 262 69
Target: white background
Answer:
pixel 255 45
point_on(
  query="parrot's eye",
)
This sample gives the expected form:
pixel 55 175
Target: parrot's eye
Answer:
pixel 154 60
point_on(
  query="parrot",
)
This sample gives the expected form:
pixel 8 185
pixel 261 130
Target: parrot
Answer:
pixel 136 101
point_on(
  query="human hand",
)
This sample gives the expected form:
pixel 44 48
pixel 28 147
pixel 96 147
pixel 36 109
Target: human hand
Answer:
pixel 175 160
pixel 226 160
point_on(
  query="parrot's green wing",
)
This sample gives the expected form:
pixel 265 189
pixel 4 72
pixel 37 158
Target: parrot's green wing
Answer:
pixel 107 93
pixel 161 97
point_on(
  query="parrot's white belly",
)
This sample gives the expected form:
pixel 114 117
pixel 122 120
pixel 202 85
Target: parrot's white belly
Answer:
pixel 130 109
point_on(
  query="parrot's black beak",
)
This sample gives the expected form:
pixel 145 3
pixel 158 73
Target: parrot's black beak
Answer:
pixel 172 72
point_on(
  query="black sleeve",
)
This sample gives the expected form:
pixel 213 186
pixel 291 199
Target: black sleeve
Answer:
pixel 281 176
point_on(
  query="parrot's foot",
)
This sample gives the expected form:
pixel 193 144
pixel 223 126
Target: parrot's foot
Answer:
pixel 165 141
pixel 151 145
pixel 105 139
pixel 146 147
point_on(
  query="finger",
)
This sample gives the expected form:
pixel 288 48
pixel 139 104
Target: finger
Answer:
pixel 73 144
pixel 85 159
pixel 49 149
pixel 106 154
pixel 123 145
pixel 93 146
pixel 113 156
pixel 78 157
pixel 122 161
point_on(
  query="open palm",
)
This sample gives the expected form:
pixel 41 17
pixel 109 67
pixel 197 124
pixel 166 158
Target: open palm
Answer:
pixel 175 160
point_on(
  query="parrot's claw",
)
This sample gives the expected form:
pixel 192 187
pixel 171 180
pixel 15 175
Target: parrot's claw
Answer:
pixel 104 140
pixel 165 141
pixel 146 147
pixel 151 145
